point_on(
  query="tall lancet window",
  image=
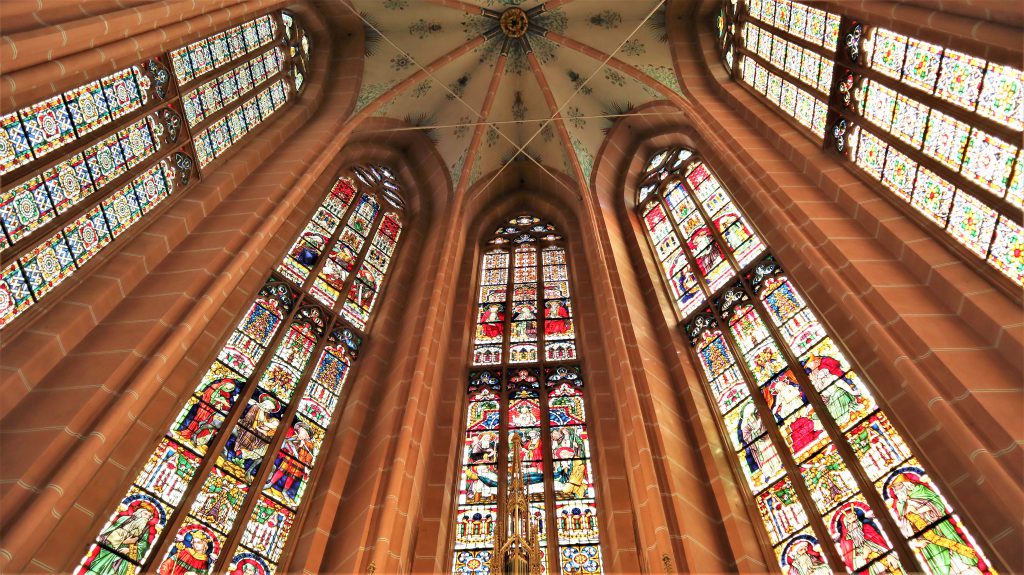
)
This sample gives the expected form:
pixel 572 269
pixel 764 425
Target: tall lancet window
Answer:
pixel 81 168
pixel 224 487
pixel 938 129
pixel 821 461
pixel 526 380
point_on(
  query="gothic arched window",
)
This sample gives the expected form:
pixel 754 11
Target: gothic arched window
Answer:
pixel 526 380
pixel 939 129
pixel 82 167
pixel 821 460
pixel 215 496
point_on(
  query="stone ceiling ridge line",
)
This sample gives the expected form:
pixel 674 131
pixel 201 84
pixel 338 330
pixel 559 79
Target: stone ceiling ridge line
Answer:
pixel 490 33
pixel 485 110
pixel 400 87
pixel 418 65
pixel 618 64
pixel 531 121
pixel 466 7
pixel 580 87
pixel 556 116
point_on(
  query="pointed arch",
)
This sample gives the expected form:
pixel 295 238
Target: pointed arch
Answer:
pixel 821 460
pixel 82 167
pixel 526 380
pixel 209 499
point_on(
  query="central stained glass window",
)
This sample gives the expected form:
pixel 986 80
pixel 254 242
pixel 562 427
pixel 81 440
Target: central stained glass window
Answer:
pixel 526 380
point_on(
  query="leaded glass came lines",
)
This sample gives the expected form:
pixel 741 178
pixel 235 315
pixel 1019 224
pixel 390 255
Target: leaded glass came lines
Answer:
pixel 526 381
pixel 235 491
pixel 939 124
pixel 820 458
pixel 58 211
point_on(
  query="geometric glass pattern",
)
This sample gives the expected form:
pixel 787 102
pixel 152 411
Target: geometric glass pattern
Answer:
pixel 823 463
pixel 986 162
pixel 226 497
pixel 938 128
pixel 59 207
pixel 526 381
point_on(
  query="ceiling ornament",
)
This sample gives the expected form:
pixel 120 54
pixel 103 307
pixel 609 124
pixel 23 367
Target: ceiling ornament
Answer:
pixel 543 82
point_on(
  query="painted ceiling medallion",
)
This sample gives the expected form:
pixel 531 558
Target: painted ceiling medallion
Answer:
pixel 515 80
pixel 514 22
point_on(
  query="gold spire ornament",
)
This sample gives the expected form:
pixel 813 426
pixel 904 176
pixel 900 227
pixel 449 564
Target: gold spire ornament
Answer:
pixel 517 544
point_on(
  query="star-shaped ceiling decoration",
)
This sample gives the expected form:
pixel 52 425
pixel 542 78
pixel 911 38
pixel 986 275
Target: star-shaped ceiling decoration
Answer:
pixel 505 81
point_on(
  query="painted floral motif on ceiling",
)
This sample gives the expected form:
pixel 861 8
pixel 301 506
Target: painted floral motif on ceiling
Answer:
pixel 405 36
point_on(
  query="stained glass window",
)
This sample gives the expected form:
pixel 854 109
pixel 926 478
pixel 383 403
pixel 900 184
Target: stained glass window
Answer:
pixel 130 153
pixel 834 482
pixel 927 122
pixel 215 497
pixel 526 380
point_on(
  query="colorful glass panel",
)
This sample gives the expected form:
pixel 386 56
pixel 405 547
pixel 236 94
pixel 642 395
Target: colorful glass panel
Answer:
pixel 14 147
pixel 1002 95
pixel 48 125
pixel 960 79
pixel 827 424
pixel 25 208
pixel 524 305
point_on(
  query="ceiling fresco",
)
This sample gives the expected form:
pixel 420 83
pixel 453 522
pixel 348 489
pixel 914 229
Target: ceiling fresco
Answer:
pixel 558 47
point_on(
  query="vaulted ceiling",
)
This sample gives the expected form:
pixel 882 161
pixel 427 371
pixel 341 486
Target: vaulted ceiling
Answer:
pixel 514 80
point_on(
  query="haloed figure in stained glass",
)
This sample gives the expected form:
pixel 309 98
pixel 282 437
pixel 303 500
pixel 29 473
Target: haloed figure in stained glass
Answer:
pixel 231 511
pixel 526 381
pixel 190 557
pixel 763 350
pixel 917 505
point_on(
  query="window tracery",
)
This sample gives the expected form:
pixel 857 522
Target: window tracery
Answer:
pixel 821 460
pixel 526 380
pixel 213 499
pixel 938 128
pixel 82 167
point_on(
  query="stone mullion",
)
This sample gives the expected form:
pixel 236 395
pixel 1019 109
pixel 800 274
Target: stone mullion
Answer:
pixel 984 196
pixel 784 115
pixel 548 460
pixel 259 479
pixel 227 109
pixel 745 18
pixel 969 117
pixel 782 449
pixel 733 463
pixel 314 271
pixel 836 108
pixel 502 462
pixel 75 210
pixel 715 233
pixel 329 438
pixel 197 81
pixel 838 438
pixel 290 62
pixel 684 247
pixel 785 74
pixel 360 260
pixel 80 143
pixel 209 459
pixel 504 452
pixel 842 445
